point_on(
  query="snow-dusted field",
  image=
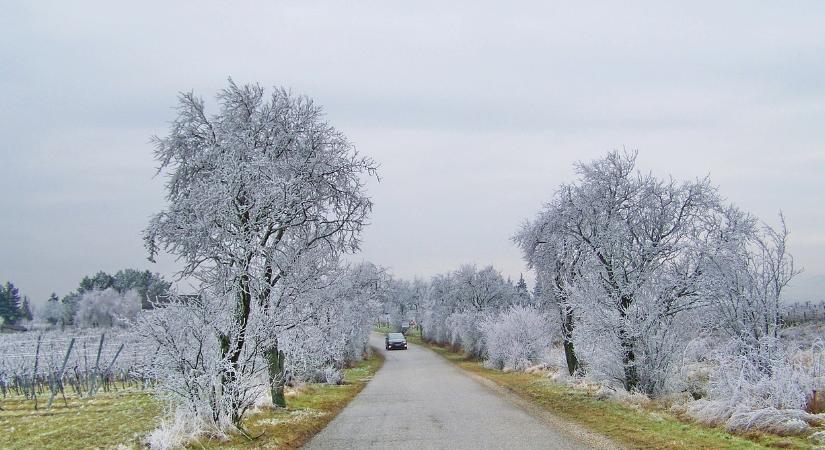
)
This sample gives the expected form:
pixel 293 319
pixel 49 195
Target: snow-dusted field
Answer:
pixel 103 356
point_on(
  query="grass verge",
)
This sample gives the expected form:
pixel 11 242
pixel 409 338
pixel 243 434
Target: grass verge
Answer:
pixel 125 417
pixel 310 409
pixel 652 427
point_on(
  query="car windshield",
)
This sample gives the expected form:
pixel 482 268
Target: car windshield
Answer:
pixel 395 336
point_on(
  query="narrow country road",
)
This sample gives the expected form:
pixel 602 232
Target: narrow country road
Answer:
pixel 418 400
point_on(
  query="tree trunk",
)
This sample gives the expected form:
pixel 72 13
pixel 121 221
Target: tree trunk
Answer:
pixel 567 331
pixel 275 362
pixel 570 356
pixel 233 352
pixel 631 372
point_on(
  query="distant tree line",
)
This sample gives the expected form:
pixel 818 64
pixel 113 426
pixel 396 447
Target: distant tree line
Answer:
pixel 149 287
pixel 98 300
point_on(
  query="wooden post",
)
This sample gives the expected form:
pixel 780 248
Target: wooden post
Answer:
pixel 59 382
pixel 34 374
pixel 93 381
pixel 105 373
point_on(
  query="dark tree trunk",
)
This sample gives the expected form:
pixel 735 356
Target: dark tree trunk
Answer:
pixel 233 352
pixel 275 364
pixel 631 372
pixel 570 356
pixel 567 331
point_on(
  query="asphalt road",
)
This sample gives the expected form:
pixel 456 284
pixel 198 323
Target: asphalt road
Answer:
pixel 418 400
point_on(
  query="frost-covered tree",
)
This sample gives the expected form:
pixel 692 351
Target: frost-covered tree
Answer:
pixel 457 302
pixel 344 309
pixel 150 286
pixel 26 309
pixel 70 303
pixel 476 293
pixel 439 304
pixel 255 192
pixel 751 268
pixel 107 308
pixel 52 311
pixel 557 259
pixel 522 292
pixel 405 302
pixel 639 249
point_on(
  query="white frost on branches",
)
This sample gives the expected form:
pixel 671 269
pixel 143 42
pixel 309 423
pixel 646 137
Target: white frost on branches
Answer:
pixel 648 284
pixel 518 337
pixel 106 308
pixel 264 198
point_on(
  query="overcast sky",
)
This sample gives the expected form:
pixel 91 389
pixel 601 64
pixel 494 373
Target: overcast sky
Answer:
pixel 476 112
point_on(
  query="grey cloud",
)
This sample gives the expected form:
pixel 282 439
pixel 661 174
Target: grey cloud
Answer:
pixel 476 111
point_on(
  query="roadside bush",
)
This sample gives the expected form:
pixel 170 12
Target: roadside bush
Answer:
pixel 762 388
pixel 465 332
pixel 517 338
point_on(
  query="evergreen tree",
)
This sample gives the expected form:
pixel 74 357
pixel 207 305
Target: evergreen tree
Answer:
pixel 98 282
pixel 9 303
pixel 536 291
pixel 26 309
pixel 522 292
pixel 150 286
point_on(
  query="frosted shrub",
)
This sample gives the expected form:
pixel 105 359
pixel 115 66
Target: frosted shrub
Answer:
pixel 771 420
pixel 107 308
pixel 598 347
pixel 309 352
pixel 337 332
pixel 517 338
pixel 758 388
pixel 465 332
pixel 174 432
pixel 434 327
pixel 333 375
pixel 759 377
pixel 204 391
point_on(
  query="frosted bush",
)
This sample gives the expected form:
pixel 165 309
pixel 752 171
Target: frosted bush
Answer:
pixel 771 420
pixel 174 432
pixel 517 338
pixel 465 332
pixel 203 390
pixel 760 377
pixel 456 302
pixel 763 387
pixel 741 418
pixel 107 308
pixel 333 375
pixel 598 348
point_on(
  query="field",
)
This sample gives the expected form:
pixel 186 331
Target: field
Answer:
pixel 124 417
pixel 75 362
